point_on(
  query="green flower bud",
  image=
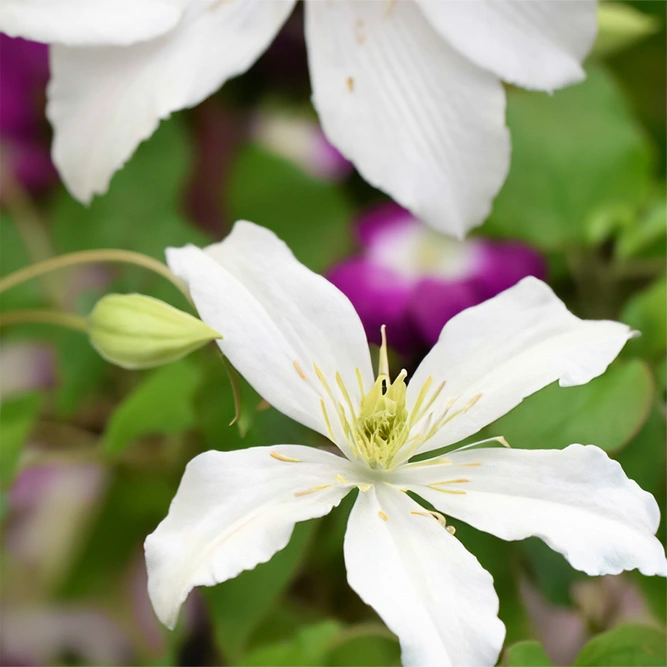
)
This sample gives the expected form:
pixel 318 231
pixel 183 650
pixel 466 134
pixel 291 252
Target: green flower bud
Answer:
pixel 619 26
pixel 137 331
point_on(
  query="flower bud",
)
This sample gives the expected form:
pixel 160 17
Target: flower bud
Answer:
pixel 137 331
pixel 620 26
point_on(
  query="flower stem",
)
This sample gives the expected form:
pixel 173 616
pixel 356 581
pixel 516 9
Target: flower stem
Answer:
pixel 58 318
pixel 91 257
pixel 30 227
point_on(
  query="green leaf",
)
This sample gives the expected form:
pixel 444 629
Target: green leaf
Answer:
pixel 551 573
pixel 81 371
pixel 655 594
pixel 646 236
pixel 625 646
pixel 161 404
pixel 355 647
pixel 311 216
pixel 17 418
pixel 526 654
pixel 607 412
pixel 644 458
pixel 646 312
pixel 308 647
pixel 239 605
pixel 134 503
pixel 140 212
pixel 575 155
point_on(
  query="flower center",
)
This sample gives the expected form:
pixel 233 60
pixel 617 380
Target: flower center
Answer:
pixel 380 429
pixel 382 426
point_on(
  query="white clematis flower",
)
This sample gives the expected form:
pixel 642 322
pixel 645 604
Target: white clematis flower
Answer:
pixel 299 342
pixel 408 90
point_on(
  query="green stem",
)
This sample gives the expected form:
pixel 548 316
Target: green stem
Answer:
pixel 30 227
pixel 91 257
pixel 67 320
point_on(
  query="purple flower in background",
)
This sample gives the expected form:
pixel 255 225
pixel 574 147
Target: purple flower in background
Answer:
pixel 24 134
pixel 415 280
pixel 300 140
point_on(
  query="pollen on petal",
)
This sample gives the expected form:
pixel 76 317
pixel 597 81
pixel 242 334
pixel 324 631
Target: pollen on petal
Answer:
pixel 383 516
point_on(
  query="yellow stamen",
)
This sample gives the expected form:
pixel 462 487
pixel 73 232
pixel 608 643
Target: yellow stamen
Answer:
pixel 384 356
pixel 326 420
pixel 315 488
pixel 419 411
pixel 452 491
pixel 451 481
pixel 383 516
pixel 431 462
pixel 346 395
pixel 323 380
pixel 472 402
pixel 440 518
pixel 299 370
pixel 360 382
pixel 282 457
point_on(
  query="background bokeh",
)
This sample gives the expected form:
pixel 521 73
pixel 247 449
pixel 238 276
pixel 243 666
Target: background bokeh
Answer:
pixel 91 455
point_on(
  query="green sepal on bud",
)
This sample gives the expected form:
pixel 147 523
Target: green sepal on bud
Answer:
pixel 620 26
pixel 136 331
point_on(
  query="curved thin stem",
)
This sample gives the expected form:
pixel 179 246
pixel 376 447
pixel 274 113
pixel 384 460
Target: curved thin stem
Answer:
pixel 91 257
pixel 58 318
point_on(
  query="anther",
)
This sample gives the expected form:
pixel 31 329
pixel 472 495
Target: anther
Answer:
pixel 282 457
pixel 452 491
pixel 315 488
pixel 472 402
pixel 383 366
pixel 383 516
pixel 450 529
pixel 299 370
pixel 450 481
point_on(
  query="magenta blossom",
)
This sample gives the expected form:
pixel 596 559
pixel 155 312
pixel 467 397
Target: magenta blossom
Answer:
pixel 300 140
pixel 24 133
pixel 415 280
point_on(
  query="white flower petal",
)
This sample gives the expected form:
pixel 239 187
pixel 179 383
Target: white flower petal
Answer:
pixel 232 511
pixel 277 319
pixel 578 500
pixel 427 588
pixel 104 101
pixel 418 120
pixel 88 22
pixel 532 43
pixel 495 354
